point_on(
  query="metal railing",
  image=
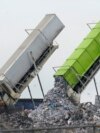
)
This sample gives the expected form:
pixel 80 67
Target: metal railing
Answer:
pixel 58 129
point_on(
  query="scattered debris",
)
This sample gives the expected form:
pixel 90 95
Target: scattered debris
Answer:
pixel 16 120
pixel 56 110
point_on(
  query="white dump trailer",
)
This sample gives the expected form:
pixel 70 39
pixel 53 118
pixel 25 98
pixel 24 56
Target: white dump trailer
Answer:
pixel 29 58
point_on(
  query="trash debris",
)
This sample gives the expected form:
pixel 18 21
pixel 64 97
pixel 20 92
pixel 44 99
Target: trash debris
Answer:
pixel 56 110
pixel 15 120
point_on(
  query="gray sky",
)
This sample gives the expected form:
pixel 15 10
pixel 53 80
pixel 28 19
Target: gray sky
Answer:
pixel 17 15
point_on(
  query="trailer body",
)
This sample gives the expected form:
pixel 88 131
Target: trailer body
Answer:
pixel 20 69
pixel 81 66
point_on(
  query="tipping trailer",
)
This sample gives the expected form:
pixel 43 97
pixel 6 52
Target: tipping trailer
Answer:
pixel 82 65
pixel 29 58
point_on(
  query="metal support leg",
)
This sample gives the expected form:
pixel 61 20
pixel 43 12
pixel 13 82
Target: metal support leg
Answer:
pixel 31 96
pixel 37 74
pixel 40 85
pixel 96 89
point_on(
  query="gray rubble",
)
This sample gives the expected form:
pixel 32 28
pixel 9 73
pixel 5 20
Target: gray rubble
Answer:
pixel 16 120
pixel 58 110
pixel 55 111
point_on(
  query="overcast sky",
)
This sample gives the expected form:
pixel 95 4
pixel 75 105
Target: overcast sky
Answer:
pixel 17 15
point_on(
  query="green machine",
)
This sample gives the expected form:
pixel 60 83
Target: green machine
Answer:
pixel 83 63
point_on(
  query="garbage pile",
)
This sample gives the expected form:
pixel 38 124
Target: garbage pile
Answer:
pixel 56 110
pixel 15 120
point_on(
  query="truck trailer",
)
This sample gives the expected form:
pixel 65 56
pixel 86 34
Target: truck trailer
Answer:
pixel 29 58
pixel 83 64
